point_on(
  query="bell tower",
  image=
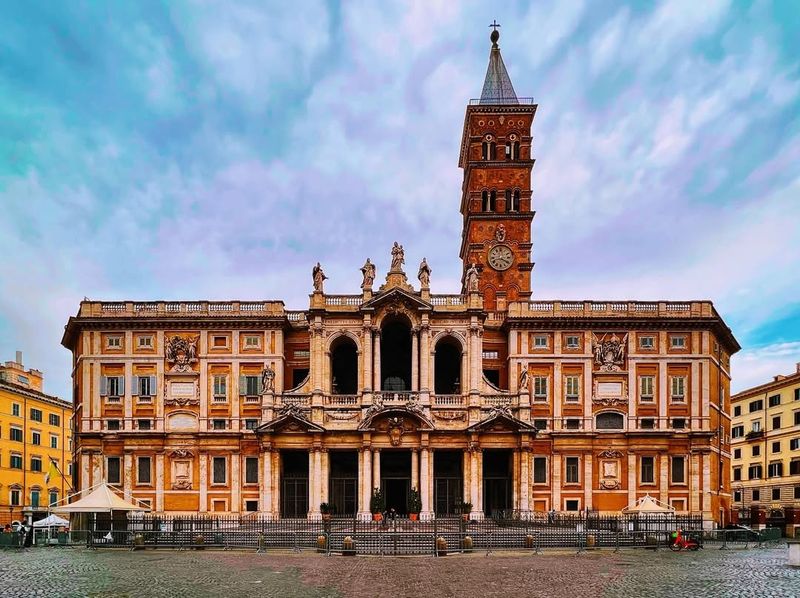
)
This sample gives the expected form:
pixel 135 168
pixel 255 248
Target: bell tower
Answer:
pixel 496 156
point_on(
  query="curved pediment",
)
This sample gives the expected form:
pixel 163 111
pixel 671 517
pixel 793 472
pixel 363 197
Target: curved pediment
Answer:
pixel 291 420
pixel 410 417
pixel 501 420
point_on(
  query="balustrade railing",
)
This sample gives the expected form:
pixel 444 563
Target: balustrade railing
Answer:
pixel 350 300
pixel 615 308
pixel 397 398
pixel 299 400
pixel 447 300
pixel 189 308
pixel 343 400
pixel 449 400
pixel 499 400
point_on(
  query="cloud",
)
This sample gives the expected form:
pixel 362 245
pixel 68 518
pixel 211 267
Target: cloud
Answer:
pixel 759 365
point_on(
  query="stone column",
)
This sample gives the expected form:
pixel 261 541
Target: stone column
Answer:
pixel 160 482
pixel 478 503
pixel 466 471
pixel 631 478
pixel 555 476
pixel 663 392
pixel 414 360
pixel 203 474
pixel 425 357
pixel 127 476
pixel 663 481
pixel 266 482
pixel 324 473
pixel 376 383
pixel 313 483
pixel 236 482
pixel 376 468
pixel 364 482
pixel 516 480
pixel 475 355
pixel 694 483
pixel 367 358
pixel 705 460
pixel 276 483
pixel 588 481
pixel 524 482
pixel 415 468
pixel 424 482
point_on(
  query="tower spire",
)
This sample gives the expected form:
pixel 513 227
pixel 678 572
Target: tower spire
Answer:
pixel 497 87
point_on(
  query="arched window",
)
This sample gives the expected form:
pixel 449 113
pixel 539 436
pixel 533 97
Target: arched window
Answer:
pixel 485 150
pixel 485 201
pixel 610 420
pixel 489 201
pixel 447 366
pixel 510 151
pixel 508 200
pixel 516 150
pixel 344 366
pixel 492 150
pixel 513 204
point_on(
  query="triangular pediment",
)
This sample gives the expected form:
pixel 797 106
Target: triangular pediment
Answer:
pixel 289 423
pixel 396 295
pixel 500 421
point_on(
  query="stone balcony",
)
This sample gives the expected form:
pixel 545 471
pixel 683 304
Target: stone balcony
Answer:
pixel 605 309
pixel 189 309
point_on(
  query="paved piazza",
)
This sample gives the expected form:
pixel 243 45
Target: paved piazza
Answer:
pixel 78 572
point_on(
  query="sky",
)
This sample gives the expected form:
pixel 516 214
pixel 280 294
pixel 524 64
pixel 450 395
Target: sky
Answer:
pixel 217 150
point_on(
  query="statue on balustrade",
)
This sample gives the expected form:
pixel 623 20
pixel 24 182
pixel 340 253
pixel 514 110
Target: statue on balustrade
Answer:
pixel 398 257
pixel 319 278
pixel 368 270
pixel 472 277
pixel 424 274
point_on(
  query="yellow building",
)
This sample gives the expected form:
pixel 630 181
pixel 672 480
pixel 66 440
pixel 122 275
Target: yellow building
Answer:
pixel 34 434
pixel 766 454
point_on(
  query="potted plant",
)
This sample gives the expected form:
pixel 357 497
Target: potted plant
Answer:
pixel 414 504
pixel 466 509
pixel 377 504
pixel 326 510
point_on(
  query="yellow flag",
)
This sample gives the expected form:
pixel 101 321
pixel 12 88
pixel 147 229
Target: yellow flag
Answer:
pixel 51 473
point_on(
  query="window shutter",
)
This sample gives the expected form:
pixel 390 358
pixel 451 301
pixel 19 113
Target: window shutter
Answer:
pixel 243 385
pixel 135 385
pixel 103 386
pixel 121 385
pixel 153 386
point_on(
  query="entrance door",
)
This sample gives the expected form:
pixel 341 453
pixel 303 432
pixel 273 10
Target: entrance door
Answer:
pixel 294 484
pixel 497 493
pixel 448 481
pixel 396 479
pixel 343 488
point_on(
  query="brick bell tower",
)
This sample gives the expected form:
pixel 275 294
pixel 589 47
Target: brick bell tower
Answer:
pixel 497 161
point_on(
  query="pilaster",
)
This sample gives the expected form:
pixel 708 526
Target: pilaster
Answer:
pixel 160 482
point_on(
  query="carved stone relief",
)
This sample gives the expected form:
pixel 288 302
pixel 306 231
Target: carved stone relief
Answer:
pixel 181 353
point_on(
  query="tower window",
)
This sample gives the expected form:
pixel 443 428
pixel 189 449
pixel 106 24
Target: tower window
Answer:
pixel 514 204
pixel 489 149
pixel 489 201
pixel 512 150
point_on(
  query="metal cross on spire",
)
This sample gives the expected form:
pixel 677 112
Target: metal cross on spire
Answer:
pixel 494 24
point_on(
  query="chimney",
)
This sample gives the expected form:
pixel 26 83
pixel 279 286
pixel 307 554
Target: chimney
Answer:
pixel 797 365
pixel 778 378
pixel 19 357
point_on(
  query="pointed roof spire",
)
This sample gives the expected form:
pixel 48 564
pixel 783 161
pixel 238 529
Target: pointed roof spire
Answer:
pixel 497 87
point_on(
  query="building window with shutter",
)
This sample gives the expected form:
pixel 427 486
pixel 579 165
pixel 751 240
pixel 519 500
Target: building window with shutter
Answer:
pixel 36 415
pixel 573 388
pixel 143 470
pixel 220 388
pixel 647 470
pixel 678 470
pixel 540 384
pixel 249 386
pixel 219 470
pixel 754 472
pixel 54 419
pixel 775 469
pixel 144 388
pixel 678 393
pixel 112 387
pixel 646 389
pixel 250 424
pixel 251 470
pixel 36 438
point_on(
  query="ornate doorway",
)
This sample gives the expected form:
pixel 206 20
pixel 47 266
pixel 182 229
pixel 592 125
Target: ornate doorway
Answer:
pixel 448 481
pixel 343 484
pixel 294 484
pixel 396 479
pixel 497 478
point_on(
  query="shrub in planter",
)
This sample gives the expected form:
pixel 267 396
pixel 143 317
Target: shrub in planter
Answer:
pixel 377 504
pixel 414 504
pixel 466 509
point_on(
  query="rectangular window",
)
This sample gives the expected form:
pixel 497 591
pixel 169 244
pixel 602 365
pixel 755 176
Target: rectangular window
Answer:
pixel 540 341
pixel 775 470
pixel 737 496
pixel 540 470
pixel 146 386
pixel 112 424
pixel 144 424
pixel 143 470
pixel 114 386
pixel 36 438
pixel 774 400
pixel 250 424
pixel 145 342
pixel 755 450
pixel 678 423
pixel 573 342
pixel 540 384
pixel 737 410
pixel 249 386
pixel 776 446
pixel 677 342
pixel 250 505
pixel 756 495
pixel 36 464
pixel 251 470
pixel 737 431
pixel 776 494
pixel 220 388
pixel 15 411
pixel 573 386
pixel 797 397
pixel 794 444
pixel 756 427
pixel 754 472
pixel 113 470
pixel 53 441
pixel 737 453
pixel 678 470
pixel 484 354
pixel 776 422
pixel 220 474
pixel 540 424
pixel 647 342
pixel 797 492
pixel 219 424
pixel 756 405
pixel 220 342
pixel 797 418
pixel 737 474
pixel 646 385
pixel 573 424
pixel 647 423
pixel 36 414
pixel 252 341
pixel 302 354
pixel 16 461
pixel 15 496
pixel 647 466
pixel 16 434
pixel 53 498
pixel 114 342
pixel 794 467
pixel 54 419
pixel 678 388
pixel 35 499
pixel 572 470
pixel 572 504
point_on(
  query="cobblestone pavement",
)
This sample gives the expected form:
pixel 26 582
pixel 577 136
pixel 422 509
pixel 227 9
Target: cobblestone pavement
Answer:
pixel 78 572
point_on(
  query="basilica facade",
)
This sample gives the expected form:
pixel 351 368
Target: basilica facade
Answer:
pixel 488 397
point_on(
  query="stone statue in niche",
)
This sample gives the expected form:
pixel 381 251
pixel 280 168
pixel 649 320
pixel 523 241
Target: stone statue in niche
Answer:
pixel 472 276
pixel 368 270
pixel 181 353
pixel 609 353
pixel 319 277
pixel 424 274
pixel 398 257
pixel 267 380
pixel 523 380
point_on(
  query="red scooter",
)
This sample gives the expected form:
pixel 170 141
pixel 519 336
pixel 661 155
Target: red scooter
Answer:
pixel 679 542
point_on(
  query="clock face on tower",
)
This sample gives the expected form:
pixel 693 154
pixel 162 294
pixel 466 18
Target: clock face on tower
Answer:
pixel 501 257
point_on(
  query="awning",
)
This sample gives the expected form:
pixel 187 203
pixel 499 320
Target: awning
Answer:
pixel 51 521
pixel 101 500
pixel 647 504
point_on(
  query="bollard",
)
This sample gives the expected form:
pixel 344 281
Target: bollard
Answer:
pixel 724 540
pixel 262 542
pixel 794 552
